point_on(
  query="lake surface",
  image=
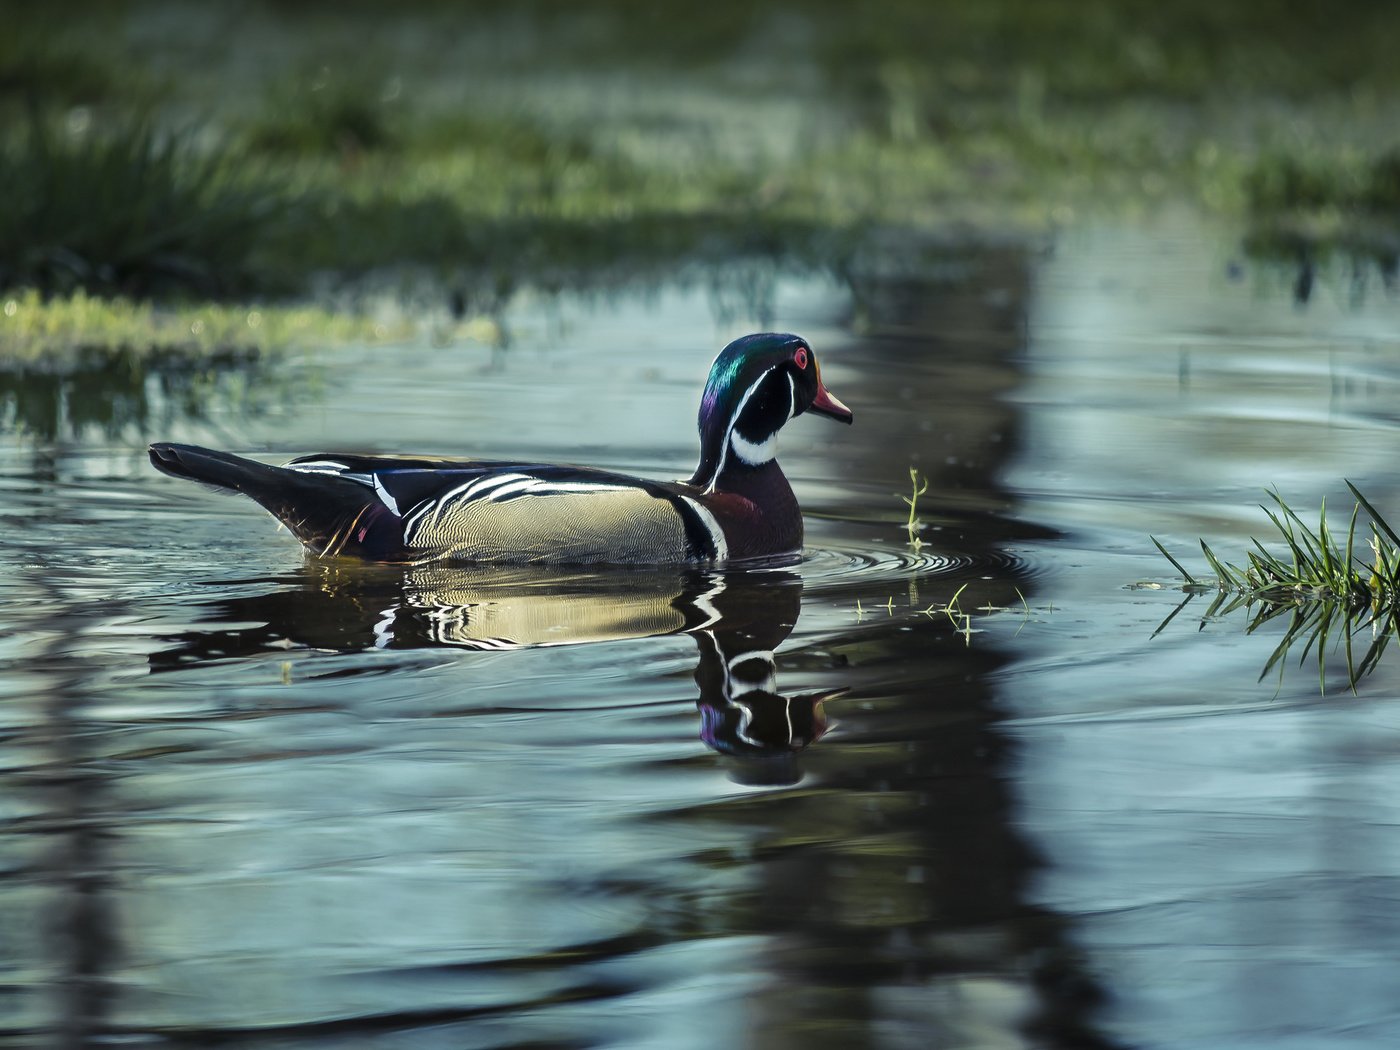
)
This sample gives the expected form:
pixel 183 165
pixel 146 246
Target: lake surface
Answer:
pixel 253 800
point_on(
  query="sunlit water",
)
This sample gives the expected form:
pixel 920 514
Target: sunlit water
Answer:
pixel 257 801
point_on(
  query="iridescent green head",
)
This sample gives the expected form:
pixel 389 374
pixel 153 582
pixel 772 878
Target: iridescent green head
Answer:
pixel 757 383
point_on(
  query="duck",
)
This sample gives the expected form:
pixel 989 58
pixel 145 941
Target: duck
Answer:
pixel 736 507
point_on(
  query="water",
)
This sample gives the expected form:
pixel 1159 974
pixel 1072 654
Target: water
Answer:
pixel 257 801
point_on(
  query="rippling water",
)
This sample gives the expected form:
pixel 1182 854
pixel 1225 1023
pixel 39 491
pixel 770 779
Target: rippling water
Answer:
pixel 963 795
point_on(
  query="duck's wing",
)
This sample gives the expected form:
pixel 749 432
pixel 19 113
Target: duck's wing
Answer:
pixel 529 512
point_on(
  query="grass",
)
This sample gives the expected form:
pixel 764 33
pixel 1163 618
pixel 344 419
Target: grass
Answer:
pixel 913 526
pixel 1310 206
pixel 129 209
pixel 1332 586
pixel 543 143
pixel 324 111
pixel 1316 564
pixel 59 330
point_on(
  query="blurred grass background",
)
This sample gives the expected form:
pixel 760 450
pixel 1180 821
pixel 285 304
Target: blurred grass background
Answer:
pixel 241 150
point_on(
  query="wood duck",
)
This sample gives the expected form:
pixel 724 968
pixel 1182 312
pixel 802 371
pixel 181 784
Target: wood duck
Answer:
pixel 736 507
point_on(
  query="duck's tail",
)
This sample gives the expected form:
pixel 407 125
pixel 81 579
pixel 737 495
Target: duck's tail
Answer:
pixel 330 515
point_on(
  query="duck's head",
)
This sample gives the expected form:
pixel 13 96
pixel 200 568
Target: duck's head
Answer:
pixel 757 383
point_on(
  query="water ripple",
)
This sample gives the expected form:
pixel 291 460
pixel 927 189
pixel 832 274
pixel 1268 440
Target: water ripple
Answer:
pixel 835 565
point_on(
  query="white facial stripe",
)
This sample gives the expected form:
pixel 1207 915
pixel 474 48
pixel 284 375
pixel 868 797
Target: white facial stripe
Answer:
pixel 717 540
pixel 757 453
pixel 729 432
pixel 766 655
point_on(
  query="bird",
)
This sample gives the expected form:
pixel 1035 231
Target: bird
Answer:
pixel 736 507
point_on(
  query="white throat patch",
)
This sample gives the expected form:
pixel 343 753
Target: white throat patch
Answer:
pixel 751 453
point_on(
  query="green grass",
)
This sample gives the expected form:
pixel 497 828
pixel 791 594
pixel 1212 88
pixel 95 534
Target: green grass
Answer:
pixel 129 209
pixel 324 111
pixel 58 331
pixel 1332 587
pixel 917 487
pixel 1316 563
pixel 523 145
pixel 1310 206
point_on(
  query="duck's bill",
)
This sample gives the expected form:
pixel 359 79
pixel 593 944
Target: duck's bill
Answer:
pixel 826 405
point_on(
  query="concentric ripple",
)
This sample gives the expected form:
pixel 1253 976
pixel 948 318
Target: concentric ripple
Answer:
pixel 837 565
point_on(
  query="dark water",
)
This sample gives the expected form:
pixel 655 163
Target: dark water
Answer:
pixel 261 802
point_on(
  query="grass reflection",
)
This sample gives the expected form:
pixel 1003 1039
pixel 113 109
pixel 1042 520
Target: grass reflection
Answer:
pixel 112 392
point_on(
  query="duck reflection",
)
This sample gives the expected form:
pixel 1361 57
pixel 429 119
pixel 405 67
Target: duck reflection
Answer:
pixel 737 620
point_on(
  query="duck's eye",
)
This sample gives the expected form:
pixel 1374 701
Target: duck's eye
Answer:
pixel 800 357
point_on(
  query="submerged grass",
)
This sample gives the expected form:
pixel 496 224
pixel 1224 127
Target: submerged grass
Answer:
pixel 1325 582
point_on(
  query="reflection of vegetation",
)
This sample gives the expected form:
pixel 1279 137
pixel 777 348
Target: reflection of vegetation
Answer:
pixel 1328 588
pixel 1302 208
pixel 112 391
pixel 1321 626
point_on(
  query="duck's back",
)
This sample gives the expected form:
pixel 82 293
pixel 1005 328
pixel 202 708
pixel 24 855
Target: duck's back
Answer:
pixel 518 512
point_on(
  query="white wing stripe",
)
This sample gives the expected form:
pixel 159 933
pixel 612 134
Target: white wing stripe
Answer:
pixel 503 491
pixel 384 496
pixel 471 490
pixel 491 481
pixel 496 488
pixel 544 487
pixel 433 505
pixel 412 519
pixel 319 466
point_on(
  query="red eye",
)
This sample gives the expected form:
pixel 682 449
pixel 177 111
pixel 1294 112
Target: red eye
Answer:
pixel 801 357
